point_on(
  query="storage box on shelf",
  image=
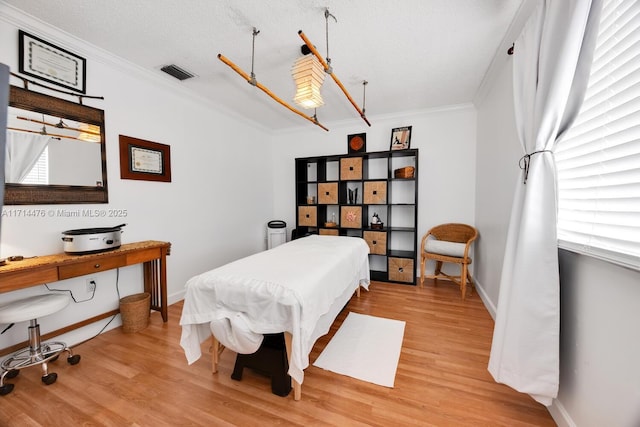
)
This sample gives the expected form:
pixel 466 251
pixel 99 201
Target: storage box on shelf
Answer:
pixel 349 189
pixel 350 216
pixel 328 193
pixel 307 216
pixel 401 270
pixel 375 192
pixel 377 241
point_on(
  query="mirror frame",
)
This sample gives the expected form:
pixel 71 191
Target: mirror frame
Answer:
pixel 28 194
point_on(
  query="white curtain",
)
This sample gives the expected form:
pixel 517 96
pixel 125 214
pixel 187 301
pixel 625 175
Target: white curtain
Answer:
pixel 23 151
pixel 552 61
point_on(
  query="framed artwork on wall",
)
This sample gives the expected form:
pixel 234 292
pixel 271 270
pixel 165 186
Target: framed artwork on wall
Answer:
pixel 357 143
pixel 48 62
pixel 400 138
pixel 144 160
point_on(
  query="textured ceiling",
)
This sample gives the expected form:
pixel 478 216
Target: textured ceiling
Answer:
pixel 415 54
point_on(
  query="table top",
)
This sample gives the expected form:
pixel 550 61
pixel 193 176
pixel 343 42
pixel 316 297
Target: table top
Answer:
pixel 64 258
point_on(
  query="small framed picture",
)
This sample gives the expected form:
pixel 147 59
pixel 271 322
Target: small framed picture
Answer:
pixel 45 61
pixel 357 143
pixel 400 138
pixel 144 160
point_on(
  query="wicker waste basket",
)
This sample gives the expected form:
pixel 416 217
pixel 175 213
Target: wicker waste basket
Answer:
pixel 135 310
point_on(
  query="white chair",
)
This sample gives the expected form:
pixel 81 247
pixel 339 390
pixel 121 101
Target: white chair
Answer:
pixel 38 353
pixel 448 243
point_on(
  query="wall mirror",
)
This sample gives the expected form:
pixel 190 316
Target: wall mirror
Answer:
pixel 55 151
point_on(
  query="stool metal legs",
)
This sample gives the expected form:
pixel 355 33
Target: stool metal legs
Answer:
pixel 37 353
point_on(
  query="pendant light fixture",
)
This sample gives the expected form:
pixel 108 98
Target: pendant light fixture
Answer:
pixel 251 79
pixel 327 65
pixel 308 75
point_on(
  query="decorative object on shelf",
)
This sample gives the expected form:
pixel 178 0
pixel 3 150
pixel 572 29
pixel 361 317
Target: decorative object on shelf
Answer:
pixel 405 172
pixel 376 223
pixel 330 224
pixel 45 61
pixel 357 143
pixel 311 200
pixel 353 196
pixel 400 138
pixel 144 160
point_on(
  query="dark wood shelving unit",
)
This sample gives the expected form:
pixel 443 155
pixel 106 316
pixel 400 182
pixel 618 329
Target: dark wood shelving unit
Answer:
pixel 322 197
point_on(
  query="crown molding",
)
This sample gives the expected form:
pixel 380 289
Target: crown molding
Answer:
pixel 55 35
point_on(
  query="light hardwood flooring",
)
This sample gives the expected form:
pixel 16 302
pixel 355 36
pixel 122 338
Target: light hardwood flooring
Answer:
pixel 143 379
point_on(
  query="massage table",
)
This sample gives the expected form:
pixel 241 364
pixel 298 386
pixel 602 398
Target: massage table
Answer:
pixel 298 288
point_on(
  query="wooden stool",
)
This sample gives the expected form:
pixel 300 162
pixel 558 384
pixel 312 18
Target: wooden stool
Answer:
pixel 38 353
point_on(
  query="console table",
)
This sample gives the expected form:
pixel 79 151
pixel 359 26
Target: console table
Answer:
pixel 34 271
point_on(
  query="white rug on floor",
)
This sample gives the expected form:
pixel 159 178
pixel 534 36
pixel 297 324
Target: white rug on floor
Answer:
pixel 366 348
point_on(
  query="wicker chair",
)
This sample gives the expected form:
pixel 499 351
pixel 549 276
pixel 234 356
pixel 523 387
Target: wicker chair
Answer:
pixel 448 243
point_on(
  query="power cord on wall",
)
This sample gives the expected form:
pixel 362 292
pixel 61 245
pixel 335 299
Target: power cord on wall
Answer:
pixel 92 295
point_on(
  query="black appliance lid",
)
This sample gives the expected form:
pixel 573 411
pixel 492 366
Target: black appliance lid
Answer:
pixel 96 230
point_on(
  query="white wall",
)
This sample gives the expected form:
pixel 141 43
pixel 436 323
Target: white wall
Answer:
pixel 600 302
pixel 213 211
pixel 445 138
pixel 599 345
pixel 497 175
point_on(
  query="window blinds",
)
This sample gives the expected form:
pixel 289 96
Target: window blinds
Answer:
pixel 39 173
pixel 598 159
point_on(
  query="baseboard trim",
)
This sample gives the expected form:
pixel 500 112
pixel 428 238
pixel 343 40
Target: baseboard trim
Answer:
pixel 560 414
pixel 489 305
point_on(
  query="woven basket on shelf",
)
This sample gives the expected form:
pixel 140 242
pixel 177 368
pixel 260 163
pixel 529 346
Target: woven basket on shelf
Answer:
pixel 351 168
pixel 135 310
pixel 375 192
pixel 405 172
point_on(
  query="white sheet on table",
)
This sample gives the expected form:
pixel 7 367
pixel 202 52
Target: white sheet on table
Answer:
pixel 287 288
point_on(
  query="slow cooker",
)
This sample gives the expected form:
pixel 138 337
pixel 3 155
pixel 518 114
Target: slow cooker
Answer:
pixel 91 240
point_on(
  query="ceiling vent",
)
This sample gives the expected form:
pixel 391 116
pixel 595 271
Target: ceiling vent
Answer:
pixel 177 72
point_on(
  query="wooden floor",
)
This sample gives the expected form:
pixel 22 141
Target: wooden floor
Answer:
pixel 143 379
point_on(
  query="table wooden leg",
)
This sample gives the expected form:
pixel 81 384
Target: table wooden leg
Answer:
pixel 297 387
pixel 155 283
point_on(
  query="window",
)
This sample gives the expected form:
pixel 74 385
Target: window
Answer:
pixel 598 160
pixel 39 173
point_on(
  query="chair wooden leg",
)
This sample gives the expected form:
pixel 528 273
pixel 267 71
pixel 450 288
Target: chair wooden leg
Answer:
pixel 422 262
pixel 463 281
pixel 438 268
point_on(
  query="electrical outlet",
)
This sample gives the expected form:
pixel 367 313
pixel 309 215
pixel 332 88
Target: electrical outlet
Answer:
pixel 91 285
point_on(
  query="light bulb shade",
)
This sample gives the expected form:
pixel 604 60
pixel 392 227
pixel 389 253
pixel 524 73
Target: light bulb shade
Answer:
pixel 90 133
pixel 308 75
